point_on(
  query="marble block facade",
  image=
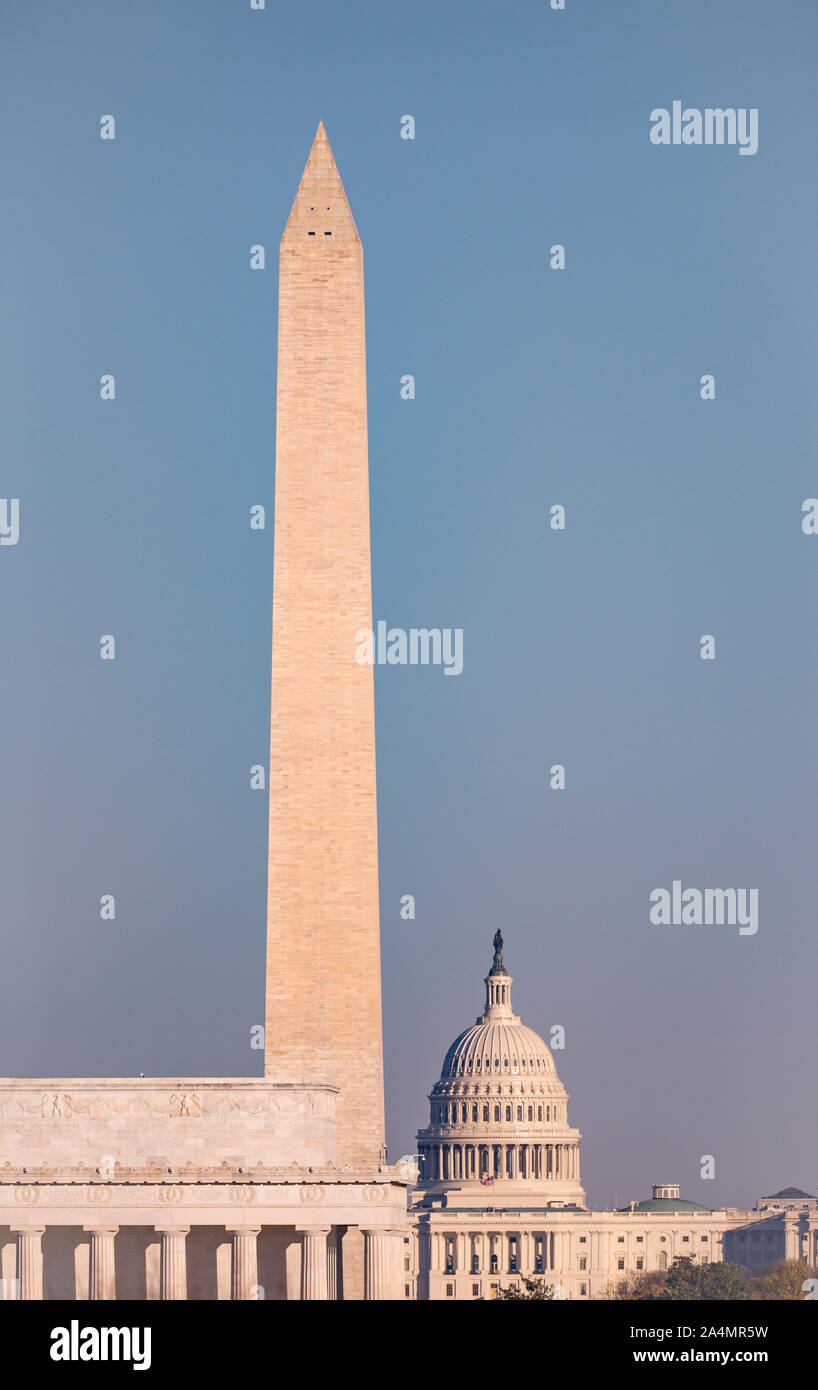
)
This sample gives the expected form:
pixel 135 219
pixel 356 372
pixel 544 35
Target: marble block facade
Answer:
pixel 189 1188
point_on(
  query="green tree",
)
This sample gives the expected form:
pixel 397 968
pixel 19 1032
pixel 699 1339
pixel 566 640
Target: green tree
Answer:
pixel 649 1283
pixel 784 1281
pixel 687 1281
pixel 532 1288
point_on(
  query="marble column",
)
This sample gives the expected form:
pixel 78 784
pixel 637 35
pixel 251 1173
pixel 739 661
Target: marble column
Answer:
pixel 332 1265
pixel 380 1263
pixel 29 1261
pixel 244 1262
pixel 314 1284
pixel 102 1276
pixel 173 1262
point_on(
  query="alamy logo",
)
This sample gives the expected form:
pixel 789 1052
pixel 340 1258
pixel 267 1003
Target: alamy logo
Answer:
pixel 420 646
pixel 711 907
pixel 75 1343
pixel 712 126
pixel 9 520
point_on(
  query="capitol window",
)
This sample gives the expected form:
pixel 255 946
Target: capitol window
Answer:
pixel 485 1112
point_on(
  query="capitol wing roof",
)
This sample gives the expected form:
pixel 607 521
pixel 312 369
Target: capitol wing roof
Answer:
pixel 668 1204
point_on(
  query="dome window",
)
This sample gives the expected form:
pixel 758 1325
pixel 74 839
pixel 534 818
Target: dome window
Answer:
pixel 539 1112
pixel 485 1112
pixel 497 1112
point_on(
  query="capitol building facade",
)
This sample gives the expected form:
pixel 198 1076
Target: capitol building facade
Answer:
pixel 499 1196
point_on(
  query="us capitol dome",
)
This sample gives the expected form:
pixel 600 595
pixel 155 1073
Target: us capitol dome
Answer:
pixel 498 1121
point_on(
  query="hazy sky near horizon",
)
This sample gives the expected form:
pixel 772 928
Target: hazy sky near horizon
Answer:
pixel 534 387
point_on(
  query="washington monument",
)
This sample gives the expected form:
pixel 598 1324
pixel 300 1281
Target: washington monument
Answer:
pixel 323 949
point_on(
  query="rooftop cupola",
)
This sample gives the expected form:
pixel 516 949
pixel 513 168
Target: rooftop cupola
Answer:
pixel 498 985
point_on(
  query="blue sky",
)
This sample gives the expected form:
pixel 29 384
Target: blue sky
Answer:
pixel 534 387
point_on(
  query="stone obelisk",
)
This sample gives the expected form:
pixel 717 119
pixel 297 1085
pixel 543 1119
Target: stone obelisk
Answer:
pixel 323 943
